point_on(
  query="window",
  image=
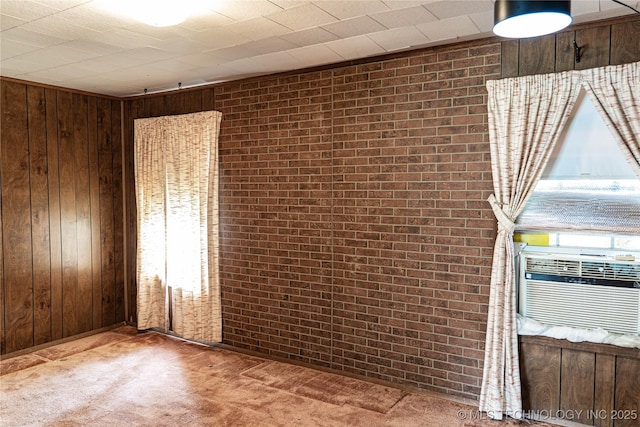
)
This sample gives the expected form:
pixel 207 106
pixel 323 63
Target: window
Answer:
pixel 589 196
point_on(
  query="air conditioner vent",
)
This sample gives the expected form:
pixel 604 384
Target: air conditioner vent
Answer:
pixel 587 269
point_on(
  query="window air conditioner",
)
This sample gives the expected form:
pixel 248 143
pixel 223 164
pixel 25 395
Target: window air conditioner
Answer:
pixel 580 291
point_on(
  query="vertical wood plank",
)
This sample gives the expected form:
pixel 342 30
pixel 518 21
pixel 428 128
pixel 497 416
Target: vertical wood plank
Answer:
pixel 208 99
pixel 537 55
pixel 604 388
pixel 94 196
pixel 174 103
pixel 595 47
pixel 627 390
pixel 192 101
pixel 509 58
pixel 105 162
pixel 3 339
pixel 137 110
pixel 565 57
pixel 118 225
pixel 155 105
pixel 540 376
pixel 16 218
pixel 577 383
pixel 624 43
pixel 55 237
pixel 69 235
pixel 83 212
pixel 39 190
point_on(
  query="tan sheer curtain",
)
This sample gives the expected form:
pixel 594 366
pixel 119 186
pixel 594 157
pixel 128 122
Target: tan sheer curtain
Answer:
pixel 176 178
pixel 526 117
pixel 615 92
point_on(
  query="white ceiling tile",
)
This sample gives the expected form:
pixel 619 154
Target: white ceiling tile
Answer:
pixel 11 48
pixel 64 72
pixel 122 37
pixel 272 44
pixel 399 38
pixel 216 38
pixel 160 33
pixel 25 10
pixel 94 17
pixel 93 46
pixel 483 20
pixel 404 17
pixel 257 28
pixel 355 47
pixel 30 37
pixel 585 6
pixel 403 4
pixel 309 37
pixel 62 4
pixel 449 9
pixel 231 53
pixel 245 9
pixel 346 9
pixel 16 66
pixel 354 27
pixel 180 46
pixel 7 22
pixel 448 29
pixel 207 20
pixel 302 17
pixel 288 4
pixel 56 26
pixel 276 62
pixel 315 55
pixel 55 56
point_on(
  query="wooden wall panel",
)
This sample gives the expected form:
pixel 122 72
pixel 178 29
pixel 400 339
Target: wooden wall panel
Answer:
pixel 627 392
pixel 68 211
pixel 602 45
pixel 537 55
pixel 605 374
pixel 16 219
pixel 94 192
pixel 594 46
pixel 83 213
pixel 50 238
pixel 39 190
pixel 118 225
pixel 625 47
pixel 105 160
pixel 576 384
pixel 540 376
pixel 55 233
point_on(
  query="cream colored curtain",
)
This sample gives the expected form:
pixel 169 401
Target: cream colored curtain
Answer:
pixel 615 92
pixel 526 117
pixel 176 179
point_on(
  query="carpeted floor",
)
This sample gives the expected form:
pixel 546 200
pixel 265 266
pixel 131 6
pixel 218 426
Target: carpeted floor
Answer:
pixel 125 378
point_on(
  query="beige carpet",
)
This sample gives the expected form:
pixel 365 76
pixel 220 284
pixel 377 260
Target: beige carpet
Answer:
pixel 122 378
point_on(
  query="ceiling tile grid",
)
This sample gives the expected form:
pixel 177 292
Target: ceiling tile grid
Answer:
pixel 78 44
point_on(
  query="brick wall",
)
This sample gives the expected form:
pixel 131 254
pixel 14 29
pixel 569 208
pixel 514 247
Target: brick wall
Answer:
pixel 355 229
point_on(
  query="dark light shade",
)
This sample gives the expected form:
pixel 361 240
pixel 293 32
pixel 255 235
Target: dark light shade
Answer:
pixel 525 18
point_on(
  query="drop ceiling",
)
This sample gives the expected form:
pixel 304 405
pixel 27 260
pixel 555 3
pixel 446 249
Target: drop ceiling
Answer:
pixel 77 44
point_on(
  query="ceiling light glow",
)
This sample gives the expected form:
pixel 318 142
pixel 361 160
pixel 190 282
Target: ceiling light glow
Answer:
pixel 158 13
pixel 530 18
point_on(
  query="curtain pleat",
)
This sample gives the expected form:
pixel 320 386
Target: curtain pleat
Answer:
pixel 186 147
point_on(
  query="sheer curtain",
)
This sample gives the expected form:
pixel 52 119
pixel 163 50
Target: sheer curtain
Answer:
pixel 176 179
pixel 526 117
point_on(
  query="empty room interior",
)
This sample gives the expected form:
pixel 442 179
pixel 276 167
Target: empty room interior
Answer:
pixel 319 213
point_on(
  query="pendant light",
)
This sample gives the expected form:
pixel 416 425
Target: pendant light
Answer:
pixel 530 18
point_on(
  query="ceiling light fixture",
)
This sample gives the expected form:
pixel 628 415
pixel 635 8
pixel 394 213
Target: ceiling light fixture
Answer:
pixel 530 18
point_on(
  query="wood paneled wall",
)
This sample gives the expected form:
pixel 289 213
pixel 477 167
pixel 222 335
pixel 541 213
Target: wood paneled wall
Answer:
pixel 601 45
pixel 594 384
pixel 61 227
